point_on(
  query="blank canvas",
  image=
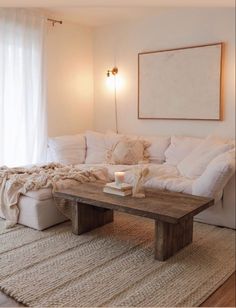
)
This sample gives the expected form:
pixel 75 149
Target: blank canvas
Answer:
pixel 183 83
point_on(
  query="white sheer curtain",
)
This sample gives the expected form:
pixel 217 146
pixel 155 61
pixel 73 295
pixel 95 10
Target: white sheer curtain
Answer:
pixel 22 89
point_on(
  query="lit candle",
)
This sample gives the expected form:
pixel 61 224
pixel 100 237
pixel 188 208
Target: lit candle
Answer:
pixel 119 177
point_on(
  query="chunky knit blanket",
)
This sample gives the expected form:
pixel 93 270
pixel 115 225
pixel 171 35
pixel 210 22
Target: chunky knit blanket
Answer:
pixel 18 181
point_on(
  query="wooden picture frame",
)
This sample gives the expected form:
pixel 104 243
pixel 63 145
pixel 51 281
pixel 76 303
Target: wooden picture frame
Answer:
pixel 181 83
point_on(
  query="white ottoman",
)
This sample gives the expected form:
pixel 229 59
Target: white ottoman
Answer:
pixel 38 210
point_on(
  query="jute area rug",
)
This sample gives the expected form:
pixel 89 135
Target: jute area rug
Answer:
pixel 112 266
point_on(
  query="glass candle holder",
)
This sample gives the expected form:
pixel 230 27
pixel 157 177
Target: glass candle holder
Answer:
pixel 119 177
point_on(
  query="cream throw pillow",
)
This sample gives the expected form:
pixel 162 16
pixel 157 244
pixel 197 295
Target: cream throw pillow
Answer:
pixel 197 161
pixel 213 180
pixel 179 148
pixel 128 152
pixel 157 148
pixel 98 145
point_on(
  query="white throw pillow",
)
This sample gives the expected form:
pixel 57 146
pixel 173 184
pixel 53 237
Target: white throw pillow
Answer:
pixel 157 148
pixel 128 152
pixel 98 145
pixel 213 180
pixel 179 148
pixel 196 162
pixel 67 149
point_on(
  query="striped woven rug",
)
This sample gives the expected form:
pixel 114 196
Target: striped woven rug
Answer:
pixel 112 266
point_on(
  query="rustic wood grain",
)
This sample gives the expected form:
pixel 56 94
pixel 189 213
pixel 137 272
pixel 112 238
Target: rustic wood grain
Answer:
pixel 224 296
pixel 86 217
pixel 159 205
pixel 170 238
pixel 173 213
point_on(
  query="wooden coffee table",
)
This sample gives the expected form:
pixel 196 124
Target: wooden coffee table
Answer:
pixel 172 212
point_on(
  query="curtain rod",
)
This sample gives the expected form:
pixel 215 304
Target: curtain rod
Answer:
pixel 54 21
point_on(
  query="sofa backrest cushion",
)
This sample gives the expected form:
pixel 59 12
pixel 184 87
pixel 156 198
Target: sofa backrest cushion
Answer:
pixel 213 180
pixel 98 146
pixel 196 162
pixel 157 148
pixel 67 149
pixel 179 148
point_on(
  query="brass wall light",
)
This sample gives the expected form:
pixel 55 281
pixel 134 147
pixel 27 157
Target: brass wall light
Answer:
pixel 114 71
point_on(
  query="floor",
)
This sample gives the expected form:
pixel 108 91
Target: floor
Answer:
pixel 222 297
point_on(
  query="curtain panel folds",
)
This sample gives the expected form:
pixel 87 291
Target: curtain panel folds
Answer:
pixel 22 87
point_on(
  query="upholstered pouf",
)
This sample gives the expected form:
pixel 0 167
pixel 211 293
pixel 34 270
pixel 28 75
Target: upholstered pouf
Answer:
pixel 38 210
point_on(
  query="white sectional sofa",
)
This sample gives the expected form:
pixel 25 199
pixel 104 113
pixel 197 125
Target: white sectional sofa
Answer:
pixel 185 164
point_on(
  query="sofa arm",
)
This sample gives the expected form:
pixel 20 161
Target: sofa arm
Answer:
pixel 217 174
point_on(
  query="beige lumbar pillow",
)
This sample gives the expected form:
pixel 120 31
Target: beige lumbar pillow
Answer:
pixel 128 152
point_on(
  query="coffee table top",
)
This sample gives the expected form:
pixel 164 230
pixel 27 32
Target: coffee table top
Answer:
pixel 162 205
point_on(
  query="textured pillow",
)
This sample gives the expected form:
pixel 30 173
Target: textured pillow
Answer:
pixel 196 162
pixel 179 148
pixel 128 152
pixel 67 149
pixel 213 180
pixel 98 145
pixel 157 148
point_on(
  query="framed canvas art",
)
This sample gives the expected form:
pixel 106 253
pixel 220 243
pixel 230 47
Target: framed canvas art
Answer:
pixel 182 83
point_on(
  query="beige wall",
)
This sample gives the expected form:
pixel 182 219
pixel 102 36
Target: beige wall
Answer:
pixel 120 44
pixel 70 79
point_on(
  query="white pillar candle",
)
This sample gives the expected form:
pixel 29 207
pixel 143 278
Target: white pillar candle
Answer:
pixel 119 177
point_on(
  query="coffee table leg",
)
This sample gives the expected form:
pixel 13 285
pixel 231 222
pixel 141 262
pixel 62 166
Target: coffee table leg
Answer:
pixel 170 238
pixel 86 217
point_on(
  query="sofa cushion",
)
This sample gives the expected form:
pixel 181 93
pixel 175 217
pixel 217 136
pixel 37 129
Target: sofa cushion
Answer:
pixel 157 148
pixel 67 149
pixel 213 180
pixel 128 152
pixel 98 145
pixel 111 168
pixel 163 176
pixel 176 184
pixel 179 148
pixel 196 162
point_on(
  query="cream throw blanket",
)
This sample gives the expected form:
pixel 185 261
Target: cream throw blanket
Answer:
pixel 17 181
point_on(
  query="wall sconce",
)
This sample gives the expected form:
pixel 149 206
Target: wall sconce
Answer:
pixel 114 71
